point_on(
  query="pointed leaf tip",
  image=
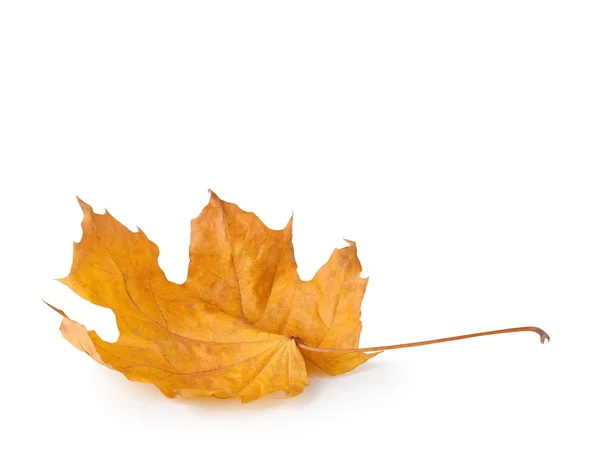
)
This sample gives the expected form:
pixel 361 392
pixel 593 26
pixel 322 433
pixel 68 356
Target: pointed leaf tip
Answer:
pixel 83 205
pixel 351 243
pixel 57 310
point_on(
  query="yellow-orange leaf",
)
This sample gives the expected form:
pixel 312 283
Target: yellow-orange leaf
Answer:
pixel 232 329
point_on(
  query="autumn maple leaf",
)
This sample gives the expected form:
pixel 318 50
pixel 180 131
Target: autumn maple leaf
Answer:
pixel 231 330
pixel 242 325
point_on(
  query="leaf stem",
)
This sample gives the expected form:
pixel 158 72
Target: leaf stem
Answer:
pixel 537 330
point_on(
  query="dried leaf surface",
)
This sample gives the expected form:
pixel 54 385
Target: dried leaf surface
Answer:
pixel 231 329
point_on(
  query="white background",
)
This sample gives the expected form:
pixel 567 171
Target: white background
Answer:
pixel 456 142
